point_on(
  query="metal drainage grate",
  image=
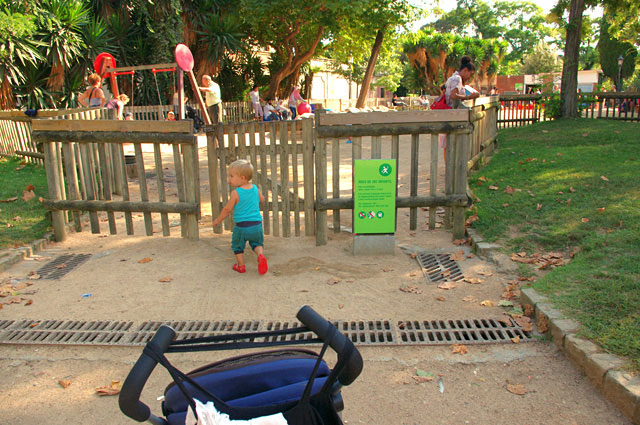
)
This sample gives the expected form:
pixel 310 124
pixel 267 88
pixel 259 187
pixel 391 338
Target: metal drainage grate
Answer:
pixel 439 267
pixel 361 332
pixel 62 265
pixel 469 331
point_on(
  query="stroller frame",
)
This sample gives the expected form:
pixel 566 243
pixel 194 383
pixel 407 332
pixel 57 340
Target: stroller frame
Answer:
pixel 346 370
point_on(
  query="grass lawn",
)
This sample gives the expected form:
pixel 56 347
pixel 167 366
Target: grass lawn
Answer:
pixel 573 187
pixel 21 222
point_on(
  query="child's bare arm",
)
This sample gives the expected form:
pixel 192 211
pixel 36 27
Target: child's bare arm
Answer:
pixel 233 200
pixel 261 196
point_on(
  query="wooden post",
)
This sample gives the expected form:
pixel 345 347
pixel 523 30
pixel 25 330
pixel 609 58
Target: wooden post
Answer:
pixel 433 179
pixel 376 147
pixel 89 176
pixel 224 185
pixel 164 217
pixel 274 178
pixel 266 222
pixel 72 179
pixel 128 218
pixel 449 174
pixel 460 184
pixel 142 181
pixel 321 190
pixel 212 162
pixel 106 185
pixel 284 179
pixel 294 168
pixel 55 191
pixel 413 212
pixel 335 177
pixel 308 176
pixel 191 225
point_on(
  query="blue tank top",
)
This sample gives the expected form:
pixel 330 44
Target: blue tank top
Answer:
pixel 248 206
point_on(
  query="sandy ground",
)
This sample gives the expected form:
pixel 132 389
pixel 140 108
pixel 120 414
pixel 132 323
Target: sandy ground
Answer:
pixel 337 284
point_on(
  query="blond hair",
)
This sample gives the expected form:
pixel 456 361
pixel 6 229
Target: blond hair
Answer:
pixel 94 79
pixel 243 168
pixel 123 98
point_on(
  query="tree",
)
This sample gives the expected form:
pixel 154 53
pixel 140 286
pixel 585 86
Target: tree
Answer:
pixel 610 49
pixel 540 61
pixel 17 50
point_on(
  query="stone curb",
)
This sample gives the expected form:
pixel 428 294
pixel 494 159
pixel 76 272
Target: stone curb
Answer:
pixel 14 256
pixel 603 370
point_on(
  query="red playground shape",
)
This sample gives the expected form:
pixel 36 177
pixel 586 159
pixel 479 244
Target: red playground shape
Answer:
pixel 100 64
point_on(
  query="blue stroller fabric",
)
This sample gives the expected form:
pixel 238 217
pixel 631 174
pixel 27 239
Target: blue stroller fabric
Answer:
pixel 296 383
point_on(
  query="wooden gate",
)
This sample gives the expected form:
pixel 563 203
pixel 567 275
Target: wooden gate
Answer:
pixel 86 169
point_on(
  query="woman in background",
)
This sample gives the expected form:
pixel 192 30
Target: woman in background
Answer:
pixel 93 96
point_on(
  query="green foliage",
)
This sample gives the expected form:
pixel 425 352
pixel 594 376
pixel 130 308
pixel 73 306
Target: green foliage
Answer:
pixel 540 61
pixel 560 202
pixel 553 106
pixel 610 49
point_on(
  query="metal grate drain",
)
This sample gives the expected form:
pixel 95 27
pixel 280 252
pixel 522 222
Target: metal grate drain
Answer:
pixel 439 267
pixel 361 332
pixel 62 265
pixel 469 331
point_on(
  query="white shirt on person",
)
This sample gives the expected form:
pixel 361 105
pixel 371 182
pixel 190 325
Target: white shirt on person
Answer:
pixel 269 109
pixel 255 96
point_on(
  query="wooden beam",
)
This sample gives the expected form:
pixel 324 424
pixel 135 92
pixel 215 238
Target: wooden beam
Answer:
pixel 121 206
pixel 114 125
pixel 142 67
pixel 37 155
pixel 392 129
pixel 393 117
pixel 401 202
pixel 112 137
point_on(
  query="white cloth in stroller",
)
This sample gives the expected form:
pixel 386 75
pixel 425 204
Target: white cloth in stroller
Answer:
pixel 209 415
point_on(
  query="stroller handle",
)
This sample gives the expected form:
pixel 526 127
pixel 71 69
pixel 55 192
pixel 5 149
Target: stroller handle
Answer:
pixel 321 326
pixel 129 399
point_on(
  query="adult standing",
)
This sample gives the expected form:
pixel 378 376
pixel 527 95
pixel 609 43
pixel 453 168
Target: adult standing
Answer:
pixel 93 96
pixel 254 96
pixel 293 102
pixel 212 99
pixel 455 91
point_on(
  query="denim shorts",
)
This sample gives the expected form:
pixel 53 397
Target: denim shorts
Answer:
pixel 242 235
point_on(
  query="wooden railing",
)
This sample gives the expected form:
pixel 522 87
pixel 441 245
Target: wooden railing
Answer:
pixel 519 110
pixel 86 166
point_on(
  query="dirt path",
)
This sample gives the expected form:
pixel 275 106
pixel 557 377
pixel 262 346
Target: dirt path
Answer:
pixel 203 287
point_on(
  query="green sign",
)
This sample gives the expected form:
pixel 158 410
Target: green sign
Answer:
pixel 374 196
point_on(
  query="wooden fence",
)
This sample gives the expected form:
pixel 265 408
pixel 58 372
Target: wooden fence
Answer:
pixel 85 165
pixel 525 109
pixel 282 156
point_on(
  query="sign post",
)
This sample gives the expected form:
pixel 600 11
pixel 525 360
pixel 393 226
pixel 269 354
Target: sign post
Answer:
pixel 374 206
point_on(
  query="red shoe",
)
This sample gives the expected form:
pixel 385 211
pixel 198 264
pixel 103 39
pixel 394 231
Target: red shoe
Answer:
pixel 262 264
pixel 239 269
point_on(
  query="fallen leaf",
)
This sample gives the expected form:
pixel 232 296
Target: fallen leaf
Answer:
pixel 33 275
pixel 543 323
pixel 601 209
pixel 473 280
pixel 411 289
pixel 492 187
pixel 473 218
pixel 421 379
pixel 145 260
pixel 538 207
pixel 13 199
pixel 113 389
pixel 17 218
pixel 424 374
pixel 584 220
pixel 61 266
pixel 483 273
pixel 333 280
pixel 472 255
pixel 572 190
pixel 518 389
pixel 28 195
pixel 29 302
pixel 487 303
pixel 604 178
pixel 457 256
pixel 528 309
pixel 385 270
pixel 482 179
pixel 509 190
pixel 585 134
pixel 414 255
pixel 447 285
pixel 440 298
pixel 165 279
pixel 469 299
pixel 459 242
pixel 459 349
pixel 340 306
pixel 64 383
pixel 505 303
pixel 505 205
pixel 34 324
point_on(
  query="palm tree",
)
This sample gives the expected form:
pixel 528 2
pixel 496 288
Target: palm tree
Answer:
pixel 62 22
pixel 17 50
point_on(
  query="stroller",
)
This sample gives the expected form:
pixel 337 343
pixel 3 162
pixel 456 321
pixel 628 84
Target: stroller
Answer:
pixel 294 383
pixel 192 114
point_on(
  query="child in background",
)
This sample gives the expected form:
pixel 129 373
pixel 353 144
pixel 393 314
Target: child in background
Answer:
pixel 244 202
pixel 171 116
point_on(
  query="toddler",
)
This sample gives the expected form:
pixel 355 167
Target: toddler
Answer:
pixel 244 202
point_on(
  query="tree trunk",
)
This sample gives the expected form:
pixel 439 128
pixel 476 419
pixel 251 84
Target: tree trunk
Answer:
pixel 368 75
pixel 6 95
pixel 569 87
